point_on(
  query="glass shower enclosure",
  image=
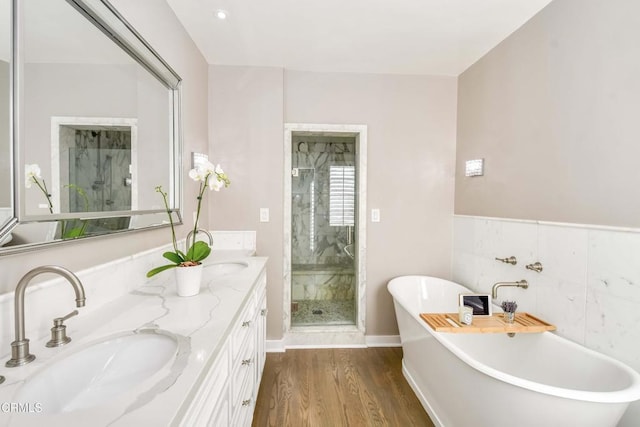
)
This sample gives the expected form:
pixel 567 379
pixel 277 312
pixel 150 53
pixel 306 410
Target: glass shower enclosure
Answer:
pixel 323 230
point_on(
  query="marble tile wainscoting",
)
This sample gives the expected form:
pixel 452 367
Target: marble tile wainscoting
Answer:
pixel 589 287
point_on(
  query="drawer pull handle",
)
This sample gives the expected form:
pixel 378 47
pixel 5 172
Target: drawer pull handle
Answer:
pixel 264 312
pixel 246 402
pixel 246 362
pixel 246 323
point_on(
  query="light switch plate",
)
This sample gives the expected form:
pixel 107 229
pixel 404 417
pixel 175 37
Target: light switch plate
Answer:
pixel 375 215
pixel 264 214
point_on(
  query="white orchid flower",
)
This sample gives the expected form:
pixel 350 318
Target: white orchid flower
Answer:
pixel 215 183
pixel 200 172
pixel 31 173
pixel 195 175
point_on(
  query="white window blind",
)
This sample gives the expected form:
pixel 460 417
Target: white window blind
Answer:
pixel 342 186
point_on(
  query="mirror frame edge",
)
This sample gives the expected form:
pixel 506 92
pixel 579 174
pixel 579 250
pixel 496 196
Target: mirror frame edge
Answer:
pixel 11 222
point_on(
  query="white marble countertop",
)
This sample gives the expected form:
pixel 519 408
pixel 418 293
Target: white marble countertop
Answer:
pixel 204 321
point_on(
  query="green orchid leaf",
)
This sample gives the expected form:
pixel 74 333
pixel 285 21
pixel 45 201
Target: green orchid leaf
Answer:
pixel 198 252
pixel 173 257
pixel 160 269
pixel 204 252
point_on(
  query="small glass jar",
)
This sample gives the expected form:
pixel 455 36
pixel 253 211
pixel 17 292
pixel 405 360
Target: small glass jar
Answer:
pixel 509 317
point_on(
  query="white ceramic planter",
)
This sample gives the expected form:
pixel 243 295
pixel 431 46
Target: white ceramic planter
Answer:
pixel 188 280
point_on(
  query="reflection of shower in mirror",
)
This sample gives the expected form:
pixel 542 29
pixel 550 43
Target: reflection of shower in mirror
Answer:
pixel 98 156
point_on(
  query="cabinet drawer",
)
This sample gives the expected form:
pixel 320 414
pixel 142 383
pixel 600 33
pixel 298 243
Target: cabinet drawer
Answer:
pixel 242 368
pixel 244 327
pixel 244 405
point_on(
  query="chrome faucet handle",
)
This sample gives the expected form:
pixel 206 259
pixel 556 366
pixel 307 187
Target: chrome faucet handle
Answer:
pixel 536 266
pixel 511 260
pixel 59 331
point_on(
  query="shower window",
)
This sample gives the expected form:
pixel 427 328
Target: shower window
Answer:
pixel 342 185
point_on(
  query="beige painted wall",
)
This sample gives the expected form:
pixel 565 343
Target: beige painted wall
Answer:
pixel 553 110
pixel 246 128
pixel 158 24
pixel 411 131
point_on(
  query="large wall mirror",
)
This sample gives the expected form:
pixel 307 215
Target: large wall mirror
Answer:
pixel 95 124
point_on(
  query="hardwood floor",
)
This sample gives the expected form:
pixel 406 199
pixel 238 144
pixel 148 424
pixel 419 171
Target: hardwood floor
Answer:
pixel 337 387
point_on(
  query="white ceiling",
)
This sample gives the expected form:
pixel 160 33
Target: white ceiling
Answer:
pixel 437 37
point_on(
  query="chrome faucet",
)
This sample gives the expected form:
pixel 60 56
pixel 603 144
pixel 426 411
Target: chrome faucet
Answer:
pixel 20 347
pixel 519 284
pixel 198 230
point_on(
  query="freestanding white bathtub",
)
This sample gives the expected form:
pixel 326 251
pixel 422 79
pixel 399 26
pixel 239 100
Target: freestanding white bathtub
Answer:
pixel 478 380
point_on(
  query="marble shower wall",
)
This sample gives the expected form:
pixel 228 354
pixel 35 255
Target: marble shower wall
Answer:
pixel 329 284
pixel 313 240
pixel 589 287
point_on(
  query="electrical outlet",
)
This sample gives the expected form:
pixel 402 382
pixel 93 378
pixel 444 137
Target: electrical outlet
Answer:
pixel 264 214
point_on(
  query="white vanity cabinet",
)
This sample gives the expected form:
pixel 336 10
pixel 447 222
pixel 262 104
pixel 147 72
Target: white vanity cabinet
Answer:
pixel 228 393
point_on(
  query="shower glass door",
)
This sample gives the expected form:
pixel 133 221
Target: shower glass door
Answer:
pixel 323 236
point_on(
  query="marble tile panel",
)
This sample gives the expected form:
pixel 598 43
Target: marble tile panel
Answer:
pixel 563 253
pixel 563 304
pixel 465 269
pixel 464 230
pixel 302 286
pixel 612 327
pixel 234 240
pixel 614 264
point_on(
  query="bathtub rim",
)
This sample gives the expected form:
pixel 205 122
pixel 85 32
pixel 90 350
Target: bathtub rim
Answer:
pixel 629 394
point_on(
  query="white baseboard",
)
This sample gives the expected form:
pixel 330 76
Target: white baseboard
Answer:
pixel 383 340
pixel 275 346
pixel 278 346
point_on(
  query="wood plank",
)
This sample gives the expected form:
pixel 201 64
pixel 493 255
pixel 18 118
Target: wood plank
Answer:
pixel 524 323
pixel 337 387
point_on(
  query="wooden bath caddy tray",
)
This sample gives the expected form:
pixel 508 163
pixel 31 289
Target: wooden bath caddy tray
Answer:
pixel 448 322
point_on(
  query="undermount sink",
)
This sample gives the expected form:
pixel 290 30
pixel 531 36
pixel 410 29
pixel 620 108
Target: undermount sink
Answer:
pixel 224 268
pixel 100 371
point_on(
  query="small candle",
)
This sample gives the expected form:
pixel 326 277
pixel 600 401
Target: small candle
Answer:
pixel 465 315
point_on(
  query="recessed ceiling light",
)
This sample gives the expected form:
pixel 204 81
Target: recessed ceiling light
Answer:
pixel 221 14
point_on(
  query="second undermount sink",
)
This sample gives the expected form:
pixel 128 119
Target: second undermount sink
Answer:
pixel 100 371
pixel 224 268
